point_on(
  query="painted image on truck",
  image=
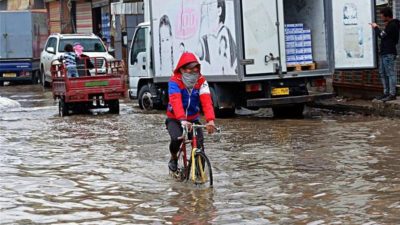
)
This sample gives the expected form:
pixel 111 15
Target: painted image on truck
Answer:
pixel 166 45
pixel 354 39
pixel 204 27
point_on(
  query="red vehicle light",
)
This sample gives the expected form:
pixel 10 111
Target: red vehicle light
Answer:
pixel 318 83
pixel 24 74
pixel 253 87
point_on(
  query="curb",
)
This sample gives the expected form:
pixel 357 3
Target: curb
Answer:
pixel 389 109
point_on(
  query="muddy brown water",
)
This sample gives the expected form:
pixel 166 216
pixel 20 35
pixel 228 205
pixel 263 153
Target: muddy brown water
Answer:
pixel 112 169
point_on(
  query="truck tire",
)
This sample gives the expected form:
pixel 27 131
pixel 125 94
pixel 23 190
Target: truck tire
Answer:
pixel 35 77
pixel 43 78
pixel 145 98
pixel 1 83
pixel 224 113
pixel 220 113
pixel 293 111
pixel 113 106
pixel 63 108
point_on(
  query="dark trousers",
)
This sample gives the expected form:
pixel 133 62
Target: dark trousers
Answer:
pixel 175 131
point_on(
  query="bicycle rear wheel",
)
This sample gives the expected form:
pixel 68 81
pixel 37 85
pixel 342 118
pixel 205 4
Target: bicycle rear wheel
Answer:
pixel 200 171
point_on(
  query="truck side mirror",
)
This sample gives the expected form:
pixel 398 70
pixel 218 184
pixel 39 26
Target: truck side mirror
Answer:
pixel 50 50
pixel 124 39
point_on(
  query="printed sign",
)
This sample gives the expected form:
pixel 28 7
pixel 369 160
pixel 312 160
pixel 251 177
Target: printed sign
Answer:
pixel 353 36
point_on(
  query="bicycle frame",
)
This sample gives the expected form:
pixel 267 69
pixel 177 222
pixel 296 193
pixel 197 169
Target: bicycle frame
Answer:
pixel 182 149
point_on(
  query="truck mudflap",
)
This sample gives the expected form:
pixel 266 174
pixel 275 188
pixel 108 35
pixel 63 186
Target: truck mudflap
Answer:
pixel 269 102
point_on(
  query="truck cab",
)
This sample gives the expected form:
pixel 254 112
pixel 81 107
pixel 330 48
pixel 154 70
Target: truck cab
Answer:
pixel 140 68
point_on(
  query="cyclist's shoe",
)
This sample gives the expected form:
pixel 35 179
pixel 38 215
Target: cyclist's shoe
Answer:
pixel 173 165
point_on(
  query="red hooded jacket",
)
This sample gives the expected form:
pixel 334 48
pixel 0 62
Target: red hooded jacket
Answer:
pixel 184 105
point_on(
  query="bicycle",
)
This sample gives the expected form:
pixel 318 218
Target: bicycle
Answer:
pixel 201 172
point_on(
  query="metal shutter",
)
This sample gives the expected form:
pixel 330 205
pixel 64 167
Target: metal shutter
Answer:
pixel 84 17
pixel 55 15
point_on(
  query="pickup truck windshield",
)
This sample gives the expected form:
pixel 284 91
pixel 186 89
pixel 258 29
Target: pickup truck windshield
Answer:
pixel 89 45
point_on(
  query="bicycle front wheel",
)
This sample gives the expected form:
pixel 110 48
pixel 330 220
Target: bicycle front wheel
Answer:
pixel 200 171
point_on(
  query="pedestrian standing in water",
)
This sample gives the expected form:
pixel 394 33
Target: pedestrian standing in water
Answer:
pixel 389 39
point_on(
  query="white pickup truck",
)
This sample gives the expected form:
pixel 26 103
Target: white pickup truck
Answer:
pixel 54 48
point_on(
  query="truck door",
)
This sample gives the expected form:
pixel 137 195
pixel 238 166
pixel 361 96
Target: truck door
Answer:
pixel 18 39
pixel 354 40
pixel 3 36
pixel 264 41
pixel 49 54
pixel 139 57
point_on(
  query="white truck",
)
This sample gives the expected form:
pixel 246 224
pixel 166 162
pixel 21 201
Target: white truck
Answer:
pixel 254 53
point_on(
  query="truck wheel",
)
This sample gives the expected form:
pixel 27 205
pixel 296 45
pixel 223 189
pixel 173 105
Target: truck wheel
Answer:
pixel 220 113
pixel 145 98
pixel 224 113
pixel 113 105
pixel 63 108
pixel 1 83
pixel 294 111
pixel 35 77
pixel 43 78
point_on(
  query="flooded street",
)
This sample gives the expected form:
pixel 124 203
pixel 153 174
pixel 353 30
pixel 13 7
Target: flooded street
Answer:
pixel 112 169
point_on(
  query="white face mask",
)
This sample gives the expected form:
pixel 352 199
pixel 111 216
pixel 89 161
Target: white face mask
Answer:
pixel 190 79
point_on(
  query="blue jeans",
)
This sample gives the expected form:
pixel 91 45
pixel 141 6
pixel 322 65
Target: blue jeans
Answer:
pixel 72 71
pixel 388 74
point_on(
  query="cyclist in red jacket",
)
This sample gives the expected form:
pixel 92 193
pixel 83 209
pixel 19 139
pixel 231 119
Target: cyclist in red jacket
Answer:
pixel 187 89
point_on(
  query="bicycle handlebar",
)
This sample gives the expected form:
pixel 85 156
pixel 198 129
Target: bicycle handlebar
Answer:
pixel 194 126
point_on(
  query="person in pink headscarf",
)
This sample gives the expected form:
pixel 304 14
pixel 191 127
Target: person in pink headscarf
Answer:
pixel 78 48
pixel 84 64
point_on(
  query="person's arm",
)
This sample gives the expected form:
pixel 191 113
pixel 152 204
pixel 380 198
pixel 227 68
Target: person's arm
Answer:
pixel 175 99
pixel 377 30
pixel 206 102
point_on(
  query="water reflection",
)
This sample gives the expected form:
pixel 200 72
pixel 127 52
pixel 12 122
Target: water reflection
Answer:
pixel 112 169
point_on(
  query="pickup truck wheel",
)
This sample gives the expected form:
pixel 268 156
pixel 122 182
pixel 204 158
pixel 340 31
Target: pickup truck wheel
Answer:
pixel 43 78
pixel 294 111
pixel 145 98
pixel 63 108
pixel 113 105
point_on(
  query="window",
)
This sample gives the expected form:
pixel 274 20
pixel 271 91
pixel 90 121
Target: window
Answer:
pixel 51 43
pixel 88 44
pixel 139 44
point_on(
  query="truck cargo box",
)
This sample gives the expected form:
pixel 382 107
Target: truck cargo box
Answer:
pixel 241 40
pixel 22 33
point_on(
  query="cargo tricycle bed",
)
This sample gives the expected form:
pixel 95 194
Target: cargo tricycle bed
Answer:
pixel 91 89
